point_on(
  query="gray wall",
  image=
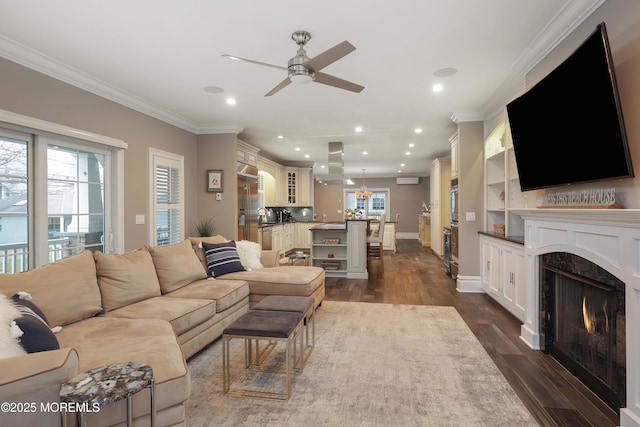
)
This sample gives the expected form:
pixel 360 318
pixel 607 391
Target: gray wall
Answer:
pixel 470 191
pixel 406 200
pixel 218 152
pixel 622 18
pixel 30 93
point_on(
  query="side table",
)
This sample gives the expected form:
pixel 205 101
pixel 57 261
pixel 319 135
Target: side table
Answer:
pixel 295 259
pixel 108 384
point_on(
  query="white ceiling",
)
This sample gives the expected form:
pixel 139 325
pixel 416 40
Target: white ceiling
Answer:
pixel 158 56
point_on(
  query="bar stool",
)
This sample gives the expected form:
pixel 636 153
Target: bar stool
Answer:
pixel 374 244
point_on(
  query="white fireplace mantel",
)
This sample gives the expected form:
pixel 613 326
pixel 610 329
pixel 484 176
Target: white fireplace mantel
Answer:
pixel 609 238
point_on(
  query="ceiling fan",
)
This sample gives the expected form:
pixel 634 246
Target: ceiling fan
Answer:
pixel 303 69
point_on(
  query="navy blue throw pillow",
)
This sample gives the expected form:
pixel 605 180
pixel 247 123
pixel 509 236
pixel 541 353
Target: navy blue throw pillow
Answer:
pixel 222 258
pixel 37 335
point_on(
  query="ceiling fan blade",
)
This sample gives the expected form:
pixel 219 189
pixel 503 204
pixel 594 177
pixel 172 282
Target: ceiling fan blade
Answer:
pixel 280 86
pixel 330 56
pixel 328 79
pixel 237 58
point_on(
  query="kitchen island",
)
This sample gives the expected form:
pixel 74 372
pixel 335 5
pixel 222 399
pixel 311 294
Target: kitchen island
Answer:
pixel 341 248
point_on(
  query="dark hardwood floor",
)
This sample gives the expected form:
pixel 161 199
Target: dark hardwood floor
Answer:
pixel 414 275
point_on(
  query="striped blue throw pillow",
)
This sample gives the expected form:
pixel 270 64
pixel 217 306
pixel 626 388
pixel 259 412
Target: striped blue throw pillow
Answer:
pixel 222 258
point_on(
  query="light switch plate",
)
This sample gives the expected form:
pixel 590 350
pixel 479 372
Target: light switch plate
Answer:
pixel 139 219
pixel 471 216
pixel 218 196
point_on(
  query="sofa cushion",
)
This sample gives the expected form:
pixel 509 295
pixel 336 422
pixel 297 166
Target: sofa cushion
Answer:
pixel 284 280
pixel 222 258
pixel 66 290
pixel 105 340
pixel 36 333
pixel 176 265
pixel 196 244
pixel 9 333
pixel 226 293
pixel 126 278
pixel 249 253
pixel 182 313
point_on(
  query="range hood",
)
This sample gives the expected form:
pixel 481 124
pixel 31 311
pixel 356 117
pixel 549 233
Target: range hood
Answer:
pixel 336 166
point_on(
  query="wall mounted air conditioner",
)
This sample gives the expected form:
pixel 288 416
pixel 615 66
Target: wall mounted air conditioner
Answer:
pixel 407 180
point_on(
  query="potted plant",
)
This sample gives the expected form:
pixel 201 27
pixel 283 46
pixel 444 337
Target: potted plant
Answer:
pixel 352 213
pixel 205 228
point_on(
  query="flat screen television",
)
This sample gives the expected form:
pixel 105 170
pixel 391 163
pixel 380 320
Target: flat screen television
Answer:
pixel 569 128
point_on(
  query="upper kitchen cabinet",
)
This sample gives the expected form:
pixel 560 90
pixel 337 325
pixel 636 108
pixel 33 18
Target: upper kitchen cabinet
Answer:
pixel 297 186
pixel 271 175
pixel 247 153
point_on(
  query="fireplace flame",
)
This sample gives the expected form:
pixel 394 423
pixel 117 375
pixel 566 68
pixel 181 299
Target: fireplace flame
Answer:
pixel 590 320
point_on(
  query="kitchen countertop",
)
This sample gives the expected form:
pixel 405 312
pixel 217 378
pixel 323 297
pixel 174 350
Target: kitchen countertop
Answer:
pixel 330 226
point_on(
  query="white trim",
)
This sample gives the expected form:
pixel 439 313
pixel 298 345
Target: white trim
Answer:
pixel 170 158
pixel 469 284
pixel 43 125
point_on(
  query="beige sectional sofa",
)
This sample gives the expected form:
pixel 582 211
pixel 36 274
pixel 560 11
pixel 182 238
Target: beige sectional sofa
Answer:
pixel 154 305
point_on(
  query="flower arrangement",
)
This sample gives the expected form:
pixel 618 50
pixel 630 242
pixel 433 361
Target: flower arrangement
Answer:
pixel 353 213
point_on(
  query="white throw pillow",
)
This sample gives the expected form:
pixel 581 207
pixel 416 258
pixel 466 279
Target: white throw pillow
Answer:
pixel 9 332
pixel 249 253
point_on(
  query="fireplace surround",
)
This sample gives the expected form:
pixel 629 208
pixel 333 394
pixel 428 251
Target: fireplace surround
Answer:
pixel 582 322
pixel 608 238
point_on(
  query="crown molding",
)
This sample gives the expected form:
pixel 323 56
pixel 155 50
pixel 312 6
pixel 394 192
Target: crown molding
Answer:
pixel 564 23
pixel 466 117
pixel 34 60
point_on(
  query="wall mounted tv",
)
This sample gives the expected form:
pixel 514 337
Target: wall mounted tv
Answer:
pixel 569 128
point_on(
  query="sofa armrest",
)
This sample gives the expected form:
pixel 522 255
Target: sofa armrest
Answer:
pixel 32 381
pixel 270 258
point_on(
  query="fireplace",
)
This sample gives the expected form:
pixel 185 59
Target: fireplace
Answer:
pixel 610 240
pixel 583 321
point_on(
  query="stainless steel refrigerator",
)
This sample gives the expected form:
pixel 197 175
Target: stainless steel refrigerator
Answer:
pixel 247 202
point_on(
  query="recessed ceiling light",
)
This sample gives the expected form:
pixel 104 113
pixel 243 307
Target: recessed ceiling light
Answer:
pixel 407 153
pixel 321 166
pixel 213 89
pixel 297 148
pixel 358 129
pixel 231 101
pixel 280 136
pixel 418 130
pixel 438 87
pixel 401 165
pixel 399 171
pixel 306 156
pixel 412 145
pixel 364 153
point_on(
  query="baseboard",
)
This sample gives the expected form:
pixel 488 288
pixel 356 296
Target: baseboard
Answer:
pixel 469 284
pixel 407 236
pixel 530 338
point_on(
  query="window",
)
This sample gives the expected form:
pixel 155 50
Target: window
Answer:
pixel 377 204
pixel 167 184
pixel 56 196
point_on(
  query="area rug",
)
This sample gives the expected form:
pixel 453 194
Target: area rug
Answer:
pixel 373 365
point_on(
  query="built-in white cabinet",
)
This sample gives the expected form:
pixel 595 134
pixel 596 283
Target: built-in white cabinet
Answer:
pixel 277 238
pixel 303 235
pixel 289 231
pixel 342 252
pixel 502 185
pixel 440 184
pixel 455 158
pixel 504 274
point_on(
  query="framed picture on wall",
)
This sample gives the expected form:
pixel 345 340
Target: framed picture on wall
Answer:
pixel 214 181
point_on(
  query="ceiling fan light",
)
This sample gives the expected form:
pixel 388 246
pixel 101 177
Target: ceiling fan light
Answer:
pixel 301 78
